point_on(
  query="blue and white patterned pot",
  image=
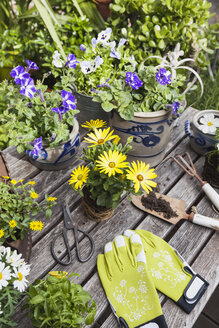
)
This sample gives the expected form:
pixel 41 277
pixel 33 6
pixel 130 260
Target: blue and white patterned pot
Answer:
pixel 150 131
pixel 200 142
pixel 60 157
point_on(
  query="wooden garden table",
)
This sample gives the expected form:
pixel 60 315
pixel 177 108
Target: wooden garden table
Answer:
pixel 198 245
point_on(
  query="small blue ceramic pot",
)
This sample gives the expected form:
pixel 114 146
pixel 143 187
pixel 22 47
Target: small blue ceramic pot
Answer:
pixel 60 157
pixel 200 142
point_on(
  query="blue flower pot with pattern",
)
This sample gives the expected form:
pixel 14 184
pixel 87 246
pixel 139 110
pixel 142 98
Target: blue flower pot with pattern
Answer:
pixel 200 142
pixel 150 132
pixel 60 157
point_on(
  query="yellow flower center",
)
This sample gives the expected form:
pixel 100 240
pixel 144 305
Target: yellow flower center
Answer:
pixel 20 276
pixel 210 123
pixel 80 177
pixel 112 165
pixel 100 141
pixel 140 177
pixel 0 276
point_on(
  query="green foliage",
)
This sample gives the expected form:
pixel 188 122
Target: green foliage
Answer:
pixel 156 26
pixel 58 303
pixel 29 119
pixel 17 204
pixel 152 96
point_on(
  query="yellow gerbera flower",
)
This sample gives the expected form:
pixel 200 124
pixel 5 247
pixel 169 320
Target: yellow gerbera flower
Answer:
pixel 58 274
pixel 5 177
pixel 140 174
pixel 32 183
pixel 79 176
pixel 93 124
pixel 1 233
pixel 13 182
pixel 51 199
pixel 36 225
pixel 12 223
pixel 99 137
pixel 34 195
pixel 111 162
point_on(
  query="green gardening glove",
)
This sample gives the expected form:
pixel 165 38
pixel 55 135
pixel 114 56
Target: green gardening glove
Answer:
pixel 128 284
pixel 171 274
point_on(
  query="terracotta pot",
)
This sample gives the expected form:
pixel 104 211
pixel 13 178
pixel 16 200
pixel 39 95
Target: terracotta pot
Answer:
pixel 103 8
pixel 60 157
pixel 23 246
pixel 150 132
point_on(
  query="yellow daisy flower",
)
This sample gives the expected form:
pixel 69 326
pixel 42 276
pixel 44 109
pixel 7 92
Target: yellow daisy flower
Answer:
pixel 34 195
pixel 12 223
pixel 140 174
pixel 13 182
pixel 36 225
pixel 111 162
pixel 94 124
pixel 116 140
pixel 99 137
pixel 79 176
pixel 58 274
pixel 31 183
pixel 21 180
pixel 5 177
pixel 51 199
pixel 1 233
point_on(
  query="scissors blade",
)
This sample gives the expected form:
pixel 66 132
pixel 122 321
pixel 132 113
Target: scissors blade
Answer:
pixel 67 217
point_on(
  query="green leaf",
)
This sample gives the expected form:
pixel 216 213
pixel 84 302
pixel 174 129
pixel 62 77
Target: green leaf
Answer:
pixel 107 106
pixel 37 299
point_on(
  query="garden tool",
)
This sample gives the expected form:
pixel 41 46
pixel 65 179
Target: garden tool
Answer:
pixel 171 274
pixel 68 225
pixel 128 284
pixel 177 211
pixel 189 168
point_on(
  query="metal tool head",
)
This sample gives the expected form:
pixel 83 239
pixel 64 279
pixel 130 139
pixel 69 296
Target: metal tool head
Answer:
pixel 67 217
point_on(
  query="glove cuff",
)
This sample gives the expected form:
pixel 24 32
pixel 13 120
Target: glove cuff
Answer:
pixel 192 293
pixel 158 322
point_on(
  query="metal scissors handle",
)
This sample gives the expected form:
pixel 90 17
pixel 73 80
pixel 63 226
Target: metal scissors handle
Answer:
pixel 69 226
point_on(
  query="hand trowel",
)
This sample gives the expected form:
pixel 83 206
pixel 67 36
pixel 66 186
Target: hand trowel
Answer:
pixel 176 213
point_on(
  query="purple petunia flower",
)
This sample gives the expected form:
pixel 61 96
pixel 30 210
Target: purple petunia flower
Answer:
pixel 133 80
pixel 19 74
pixel 106 84
pixel 37 145
pixel 71 61
pixel 68 100
pixel 31 65
pixel 82 47
pixel 175 107
pixel 27 88
pixel 163 76
pixel 60 110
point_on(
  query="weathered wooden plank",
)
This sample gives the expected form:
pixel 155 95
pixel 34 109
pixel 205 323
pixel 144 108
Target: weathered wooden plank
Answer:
pixel 11 155
pixel 207 265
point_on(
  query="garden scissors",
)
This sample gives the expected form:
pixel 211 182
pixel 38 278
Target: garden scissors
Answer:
pixel 68 225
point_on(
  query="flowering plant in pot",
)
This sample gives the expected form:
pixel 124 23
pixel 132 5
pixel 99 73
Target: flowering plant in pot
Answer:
pixel 106 173
pixel 98 63
pixel 144 99
pixel 18 207
pixel 40 122
pixel 13 273
pixel 57 302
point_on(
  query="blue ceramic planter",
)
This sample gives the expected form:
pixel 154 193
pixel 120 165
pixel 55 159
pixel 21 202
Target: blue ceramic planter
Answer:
pixel 200 142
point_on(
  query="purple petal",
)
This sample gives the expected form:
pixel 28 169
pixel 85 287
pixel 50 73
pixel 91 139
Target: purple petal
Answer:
pixel 31 65
pixel 163 76
pixel 133 80
pixel 71 61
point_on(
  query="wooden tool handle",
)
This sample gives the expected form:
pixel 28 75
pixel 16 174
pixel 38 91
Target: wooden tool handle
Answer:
pixel 205 221
pixel 211 194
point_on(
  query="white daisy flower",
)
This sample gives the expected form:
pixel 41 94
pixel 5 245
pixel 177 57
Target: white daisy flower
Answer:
pixel 14 259
pixel 5 275
pixel 20 273
pixel 209 123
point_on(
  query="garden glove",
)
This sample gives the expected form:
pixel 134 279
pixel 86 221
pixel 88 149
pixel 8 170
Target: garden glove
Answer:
pixel 171 274
pixel 128 284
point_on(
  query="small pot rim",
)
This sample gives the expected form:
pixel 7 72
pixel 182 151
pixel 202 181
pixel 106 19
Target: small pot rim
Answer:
pixel 152 114
pixel 201 113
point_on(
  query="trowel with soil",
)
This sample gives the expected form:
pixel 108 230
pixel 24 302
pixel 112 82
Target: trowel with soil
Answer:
pixel 171 209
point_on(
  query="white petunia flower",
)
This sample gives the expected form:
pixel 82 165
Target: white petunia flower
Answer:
pixel 5 275
pixel 97 62
pixel 14 259
pixel 86 67
pixel 57 61
pixel 104 36
pixel 209 123
pixel 20 273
